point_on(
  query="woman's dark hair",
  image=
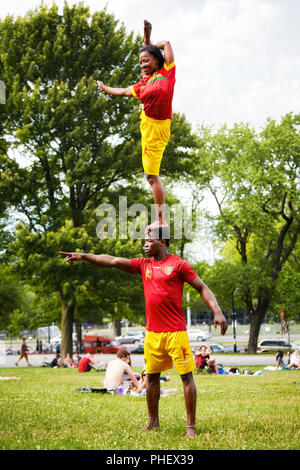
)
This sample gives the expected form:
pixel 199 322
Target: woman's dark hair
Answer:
pixel 156 52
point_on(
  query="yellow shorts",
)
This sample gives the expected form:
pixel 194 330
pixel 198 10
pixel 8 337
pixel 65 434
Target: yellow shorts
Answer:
pixel 155 137
pixel 162 350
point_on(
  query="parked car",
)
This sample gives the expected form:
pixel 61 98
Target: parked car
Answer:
pixel 276 345
pixel 198 335
pixel 100 344
pixel 220 348
pixel 133 337
pixel 57 339
pixel 8 351
pixel 138 350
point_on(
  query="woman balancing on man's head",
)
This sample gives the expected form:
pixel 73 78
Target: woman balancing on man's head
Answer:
pixel 155 90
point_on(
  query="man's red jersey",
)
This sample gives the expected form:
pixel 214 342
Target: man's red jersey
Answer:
pixel 156 92
pixel 163 286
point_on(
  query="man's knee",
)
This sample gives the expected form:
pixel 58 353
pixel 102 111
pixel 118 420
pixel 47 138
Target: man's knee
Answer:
pixel 151 179
pixel 153 378
pixel 187 378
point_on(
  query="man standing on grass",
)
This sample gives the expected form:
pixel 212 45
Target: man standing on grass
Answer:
pixel 166 341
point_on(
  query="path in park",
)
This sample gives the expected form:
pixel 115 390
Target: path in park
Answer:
pixel 138 359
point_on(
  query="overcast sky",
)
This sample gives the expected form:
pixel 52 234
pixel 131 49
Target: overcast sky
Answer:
pixel 237 60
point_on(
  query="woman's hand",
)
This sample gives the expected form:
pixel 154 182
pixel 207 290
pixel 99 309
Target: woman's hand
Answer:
pixel 147 33
pixel 100 85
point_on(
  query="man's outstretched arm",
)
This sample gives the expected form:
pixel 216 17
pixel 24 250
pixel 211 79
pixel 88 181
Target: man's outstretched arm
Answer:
pixel 104 261
pixel 210 300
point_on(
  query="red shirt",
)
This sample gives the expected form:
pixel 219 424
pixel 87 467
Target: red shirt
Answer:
pixel 163 286
pixel 82 366
pixel 156 92
pixel 200 360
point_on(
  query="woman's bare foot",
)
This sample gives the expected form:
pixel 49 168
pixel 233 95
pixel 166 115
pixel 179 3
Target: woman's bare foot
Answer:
pixel 157 224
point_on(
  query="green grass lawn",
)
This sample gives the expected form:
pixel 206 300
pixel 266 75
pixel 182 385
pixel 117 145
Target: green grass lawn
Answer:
pixel 44 411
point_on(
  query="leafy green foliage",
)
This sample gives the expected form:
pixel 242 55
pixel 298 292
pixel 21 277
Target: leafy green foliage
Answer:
pixel 253 178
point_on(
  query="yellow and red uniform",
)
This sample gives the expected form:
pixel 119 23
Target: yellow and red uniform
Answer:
pixel 156 94
pixel 166 339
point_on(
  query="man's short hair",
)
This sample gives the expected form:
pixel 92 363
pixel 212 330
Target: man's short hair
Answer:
pixel 161 233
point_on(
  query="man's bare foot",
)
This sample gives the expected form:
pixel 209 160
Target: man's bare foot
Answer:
pixel 152 426
pixel 191 431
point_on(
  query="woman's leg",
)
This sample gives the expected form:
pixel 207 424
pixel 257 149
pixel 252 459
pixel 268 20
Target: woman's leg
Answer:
pixel 159 200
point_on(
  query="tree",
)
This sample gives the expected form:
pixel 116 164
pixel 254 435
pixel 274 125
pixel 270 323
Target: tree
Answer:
pixel 287 294
pixel 80 146
pixel 11 295
pixel 65 127
pixel 253 178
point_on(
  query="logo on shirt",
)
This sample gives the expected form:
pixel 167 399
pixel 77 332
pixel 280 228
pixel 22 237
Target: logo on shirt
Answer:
pixel 148 274
pixel 168 270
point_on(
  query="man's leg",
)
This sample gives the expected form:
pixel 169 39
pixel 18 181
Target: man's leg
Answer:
pixel 153 395
pixel 190 396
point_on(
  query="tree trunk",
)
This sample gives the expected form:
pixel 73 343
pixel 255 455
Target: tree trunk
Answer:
pixel 78 337
pixel 67 314
pixel 255 324
pixel 117 327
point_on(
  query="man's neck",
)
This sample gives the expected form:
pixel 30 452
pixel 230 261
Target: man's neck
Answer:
pixel 162 255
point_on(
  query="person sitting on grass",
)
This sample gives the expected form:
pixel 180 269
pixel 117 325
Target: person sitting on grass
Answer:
pixel 212 364
pixel 126 377
pixel 77 358
pixel 86 363
pixel 68 361
pixel 56 362
pixel 203 361
pixel 295 360
pixel 117 368
pixel 141 389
